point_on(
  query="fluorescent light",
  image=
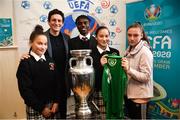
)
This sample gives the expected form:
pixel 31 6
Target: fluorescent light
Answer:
pixel 132 1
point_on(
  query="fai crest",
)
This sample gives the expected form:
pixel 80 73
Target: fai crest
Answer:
pixel 112 62
pixel 51 66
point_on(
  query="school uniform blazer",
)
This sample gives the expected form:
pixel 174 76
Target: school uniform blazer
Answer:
pixel 98 68
pixel 49 50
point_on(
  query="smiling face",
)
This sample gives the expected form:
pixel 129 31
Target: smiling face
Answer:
pixel 55 23
pixel 39 45
pixel 83 26
pixel 102 38
pixel 134 36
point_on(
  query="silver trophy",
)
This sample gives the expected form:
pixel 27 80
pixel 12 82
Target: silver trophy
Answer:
pixel 82 75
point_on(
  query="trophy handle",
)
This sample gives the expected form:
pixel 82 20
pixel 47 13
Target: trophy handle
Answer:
pixel 70 61
pixel 90 58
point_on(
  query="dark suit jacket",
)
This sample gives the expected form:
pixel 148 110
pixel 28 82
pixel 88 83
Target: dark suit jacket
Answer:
pixel 98 68
pixel 49 52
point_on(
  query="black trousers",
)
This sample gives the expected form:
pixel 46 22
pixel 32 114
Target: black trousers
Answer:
pixel 63 109
pixel 135 110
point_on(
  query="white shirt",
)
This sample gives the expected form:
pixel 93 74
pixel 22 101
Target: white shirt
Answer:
pixel 37 58
pixel 87 36
pixel 101 50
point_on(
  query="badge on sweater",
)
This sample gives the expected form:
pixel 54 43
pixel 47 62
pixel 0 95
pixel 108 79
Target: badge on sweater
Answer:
pixel 51 66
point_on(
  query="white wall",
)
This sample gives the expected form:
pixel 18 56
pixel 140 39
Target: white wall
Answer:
pixel 11 104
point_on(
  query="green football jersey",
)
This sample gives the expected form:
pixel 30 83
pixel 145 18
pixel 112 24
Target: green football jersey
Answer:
pixel 113 87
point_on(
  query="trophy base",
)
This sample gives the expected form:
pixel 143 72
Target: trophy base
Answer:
pixel 84 111
pixel 73 110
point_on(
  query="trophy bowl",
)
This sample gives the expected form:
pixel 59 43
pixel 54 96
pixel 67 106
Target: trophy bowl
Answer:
pixel 82 77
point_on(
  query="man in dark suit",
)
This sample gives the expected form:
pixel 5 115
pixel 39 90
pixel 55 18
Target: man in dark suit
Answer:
pixel 58 50
pixel 84 40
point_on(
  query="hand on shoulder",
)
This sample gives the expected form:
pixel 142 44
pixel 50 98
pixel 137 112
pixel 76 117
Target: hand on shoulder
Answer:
pixel 25 56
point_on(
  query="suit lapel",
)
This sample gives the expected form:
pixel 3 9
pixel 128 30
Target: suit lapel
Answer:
pixel 49 43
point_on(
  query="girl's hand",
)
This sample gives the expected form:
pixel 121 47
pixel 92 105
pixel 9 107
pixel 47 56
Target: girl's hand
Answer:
pixel 103 60
pixel 46 112
pixel 54 108
pixel 25 56
pixel 125 64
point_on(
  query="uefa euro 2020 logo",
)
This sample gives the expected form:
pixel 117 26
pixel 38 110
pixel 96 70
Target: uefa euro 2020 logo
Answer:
pixel 152 13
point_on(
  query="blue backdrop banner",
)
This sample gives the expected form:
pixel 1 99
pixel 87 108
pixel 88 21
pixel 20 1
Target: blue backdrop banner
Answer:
pixel 161 21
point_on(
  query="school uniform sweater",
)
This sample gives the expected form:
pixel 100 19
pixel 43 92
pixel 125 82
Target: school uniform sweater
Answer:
pixel 38 83
pixel 98 68
pixel 76 43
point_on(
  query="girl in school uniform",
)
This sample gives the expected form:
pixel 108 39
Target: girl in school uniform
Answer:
pixel 102 37
pixel 37 80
